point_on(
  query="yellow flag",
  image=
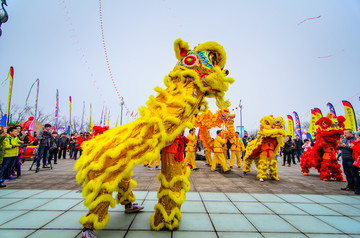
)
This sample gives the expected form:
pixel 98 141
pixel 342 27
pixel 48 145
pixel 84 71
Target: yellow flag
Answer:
pixel 318 115
pixel 350 122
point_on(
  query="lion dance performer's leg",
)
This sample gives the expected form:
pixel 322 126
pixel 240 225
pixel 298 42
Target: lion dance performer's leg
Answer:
pixel 208 157
pixel 219 157
pixel 98 217
pixel 232 159
pixel 247 164
pixel 337 172
pixel 273 172
pixel 330 168
pixel 306 161
pixel 238 158
pixel 263 165
pixel 214 161
pixel 174 179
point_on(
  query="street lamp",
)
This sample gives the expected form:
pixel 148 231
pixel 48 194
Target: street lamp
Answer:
pixel 241 127
pixel 122 104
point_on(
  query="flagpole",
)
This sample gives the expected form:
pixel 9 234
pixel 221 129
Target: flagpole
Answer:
pixel 37 98
pixel 82 117
pixel 57 110
pixel 69 126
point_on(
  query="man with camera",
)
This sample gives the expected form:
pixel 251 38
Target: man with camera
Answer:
pixel 44 138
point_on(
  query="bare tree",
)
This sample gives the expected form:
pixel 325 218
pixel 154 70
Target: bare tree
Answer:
pixel 305 125
pixel 253 133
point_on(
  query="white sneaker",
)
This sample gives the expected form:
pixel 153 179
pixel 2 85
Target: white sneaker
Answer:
pixel 87 233
pixel 157 167
pixel 149 168
pixel 261 180
pixel 133 207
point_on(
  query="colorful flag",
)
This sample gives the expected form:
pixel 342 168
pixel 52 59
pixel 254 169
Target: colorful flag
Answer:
pixel 331 108
pixel 350 122
pixel 69 126
pixel 27 98
pixel 3 121
pixel 37 97
pixel 290 129
pixel 57 110
pixel 91 123
pixel 297 125
pixel 11 75
pixel 311 130
pixel 109 119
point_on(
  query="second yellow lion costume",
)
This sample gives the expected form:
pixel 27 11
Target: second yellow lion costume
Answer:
pixel 263 149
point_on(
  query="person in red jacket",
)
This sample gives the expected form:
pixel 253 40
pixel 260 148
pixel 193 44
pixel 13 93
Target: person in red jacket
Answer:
pixel 79 141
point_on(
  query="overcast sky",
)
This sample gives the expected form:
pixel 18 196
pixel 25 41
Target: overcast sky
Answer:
pixel 279 65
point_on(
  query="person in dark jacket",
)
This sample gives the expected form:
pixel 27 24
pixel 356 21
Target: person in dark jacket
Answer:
pixel 44 144
pixel 351 172
pixel 287 151
pixel 298 147
pixel 36 140
pixel 245 141
pixel 54 147
pixel 63 144
pixel 228 145
pixel 72 145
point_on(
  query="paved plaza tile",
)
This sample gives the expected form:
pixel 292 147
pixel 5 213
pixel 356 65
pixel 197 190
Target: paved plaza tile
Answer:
pixel 217 205
pixel 206 215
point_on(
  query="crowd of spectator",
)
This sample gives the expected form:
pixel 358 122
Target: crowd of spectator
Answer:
pixel 49 147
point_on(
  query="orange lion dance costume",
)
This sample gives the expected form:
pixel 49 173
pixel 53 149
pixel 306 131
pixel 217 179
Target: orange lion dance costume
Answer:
pixel 323 155
pixel 108 159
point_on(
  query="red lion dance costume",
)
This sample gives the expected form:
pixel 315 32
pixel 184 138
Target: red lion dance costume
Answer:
pixel 323 155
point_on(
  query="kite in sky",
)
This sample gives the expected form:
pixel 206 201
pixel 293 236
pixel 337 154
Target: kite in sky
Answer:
pixel 312 18
pixel 323 57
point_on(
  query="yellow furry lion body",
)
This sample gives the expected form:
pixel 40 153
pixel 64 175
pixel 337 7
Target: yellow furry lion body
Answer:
pixel 108 159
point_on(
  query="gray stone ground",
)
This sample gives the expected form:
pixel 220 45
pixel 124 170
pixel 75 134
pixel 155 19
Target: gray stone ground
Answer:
pixel 291 180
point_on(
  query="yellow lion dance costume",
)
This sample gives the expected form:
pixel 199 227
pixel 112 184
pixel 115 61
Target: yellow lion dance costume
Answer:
pixel 263 149
pixel 108 159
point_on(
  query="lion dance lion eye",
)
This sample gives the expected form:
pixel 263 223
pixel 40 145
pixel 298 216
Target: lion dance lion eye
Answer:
pixel 212 58
pixel 190 60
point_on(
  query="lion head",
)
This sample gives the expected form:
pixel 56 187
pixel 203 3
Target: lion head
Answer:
pixel 330 126
pixel 207 63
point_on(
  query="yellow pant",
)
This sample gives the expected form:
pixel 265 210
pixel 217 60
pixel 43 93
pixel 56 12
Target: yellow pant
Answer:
pixel 190 159
pixel 208 157
pixel 219 157
pixel 157 163
pixel 238 157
